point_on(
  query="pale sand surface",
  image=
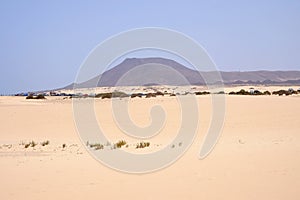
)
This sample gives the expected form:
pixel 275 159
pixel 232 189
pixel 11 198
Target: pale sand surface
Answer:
pixel 176 89
pixel 257 156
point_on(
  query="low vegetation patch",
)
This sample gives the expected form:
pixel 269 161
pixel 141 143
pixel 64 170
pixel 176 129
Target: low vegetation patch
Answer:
pixel 45 143
pixel 150 95
pixel 252 92
pixel 30 144
pixel 120 143
pixel 142 145
pixel 202 93
pixel 136 95
pixel 174 145
pixel 158 93
pixel 241 92
pixel 285 92
pixel 109 95
pixel 119 94
pixel 103 95
pixel 39 96
pixel 96 146
pixel 266 93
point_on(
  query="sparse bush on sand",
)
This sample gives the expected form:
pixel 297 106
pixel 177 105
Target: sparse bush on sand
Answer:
pixel 150 95
pixel 30 97
pixel 119 94
pixel 136 95
pixel 39 96
pixel 120 143
pixel 243 92
pixel 174 145
pixel 96 146
pixel 158 93
pixel 255 92
pixel 106 96
pixel 33 144
pixel 111 95
pixel 142 145
pixel 30 144
pixel 285 92
pixel 202 93
pixel 45 143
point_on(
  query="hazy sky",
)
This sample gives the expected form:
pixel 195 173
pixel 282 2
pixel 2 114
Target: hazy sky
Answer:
pixel 43 43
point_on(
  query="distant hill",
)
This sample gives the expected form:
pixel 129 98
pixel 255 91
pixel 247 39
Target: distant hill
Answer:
pixel 153 71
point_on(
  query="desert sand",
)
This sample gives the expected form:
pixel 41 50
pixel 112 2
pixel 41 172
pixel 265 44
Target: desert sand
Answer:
pixel 256 157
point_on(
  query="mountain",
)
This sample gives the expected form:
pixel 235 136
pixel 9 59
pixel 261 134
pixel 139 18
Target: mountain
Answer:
pixel 162 71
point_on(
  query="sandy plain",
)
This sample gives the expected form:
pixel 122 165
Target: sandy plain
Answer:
pixel 256 157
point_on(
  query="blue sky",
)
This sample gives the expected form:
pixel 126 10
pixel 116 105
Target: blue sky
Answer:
pixel 43 43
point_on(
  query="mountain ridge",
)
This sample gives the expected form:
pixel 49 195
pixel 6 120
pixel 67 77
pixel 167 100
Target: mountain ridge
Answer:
pixel 144 71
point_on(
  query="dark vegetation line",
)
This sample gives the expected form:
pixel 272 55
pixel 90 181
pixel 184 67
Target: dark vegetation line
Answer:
pixel 118 94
